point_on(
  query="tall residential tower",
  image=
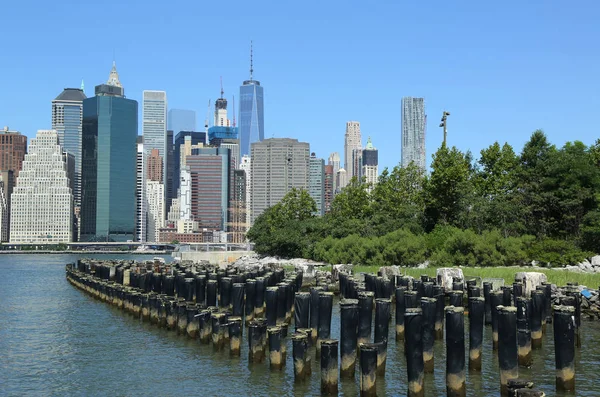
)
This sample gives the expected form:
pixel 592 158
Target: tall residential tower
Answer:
pixel 413 132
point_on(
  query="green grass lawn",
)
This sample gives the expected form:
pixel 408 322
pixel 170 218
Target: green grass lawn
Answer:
pixel 558 277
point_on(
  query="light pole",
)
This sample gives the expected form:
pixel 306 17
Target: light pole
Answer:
pixel 444 124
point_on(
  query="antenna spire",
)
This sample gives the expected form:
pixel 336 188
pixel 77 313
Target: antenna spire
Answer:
pixel 251 65
pixel 222 87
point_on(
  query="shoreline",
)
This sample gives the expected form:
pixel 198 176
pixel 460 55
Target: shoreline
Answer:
pixel 71 252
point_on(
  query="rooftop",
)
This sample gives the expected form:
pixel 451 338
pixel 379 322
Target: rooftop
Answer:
pixel 71 94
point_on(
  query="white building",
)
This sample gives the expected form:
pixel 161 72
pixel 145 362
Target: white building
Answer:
pixel 140 194
pixel 341 180
pixel 155 197
pixel 173 214
pixel 352 141
pixel 42 201
pixel 185 194
pixel 334 160
pixel 413 132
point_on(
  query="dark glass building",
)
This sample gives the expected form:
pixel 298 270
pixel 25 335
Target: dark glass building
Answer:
pixel 252 117
pixel 110 123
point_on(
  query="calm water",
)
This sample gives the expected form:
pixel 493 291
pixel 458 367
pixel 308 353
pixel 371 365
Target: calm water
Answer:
pixel 54 340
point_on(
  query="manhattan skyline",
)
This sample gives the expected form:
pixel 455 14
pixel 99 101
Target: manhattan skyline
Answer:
pixel 501 73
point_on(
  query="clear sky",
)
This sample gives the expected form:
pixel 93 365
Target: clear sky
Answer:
pixel 502 68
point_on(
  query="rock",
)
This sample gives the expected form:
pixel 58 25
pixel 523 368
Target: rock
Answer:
pixel 585 266
pixel 595 261
pixel 497 283
pixel 530 281
pixel 309 271
pixel 340 268
pixel 446 275
pixel 388 272
pixel 423 265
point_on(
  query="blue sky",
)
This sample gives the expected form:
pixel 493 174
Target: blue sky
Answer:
pixel 503 69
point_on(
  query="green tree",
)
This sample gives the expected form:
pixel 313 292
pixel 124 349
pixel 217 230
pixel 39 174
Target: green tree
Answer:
pixel 447 188
pixel 351 211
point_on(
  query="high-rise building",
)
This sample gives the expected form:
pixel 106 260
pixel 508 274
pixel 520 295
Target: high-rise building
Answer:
pixel 140 193
pixel 13 147
pixel 335 162
pixel 211 172
pixel 316 183
pixel 252 117
pixel 154 170
pixel 352 142
pixel 181 120
pixel 370 162
pixel 413 132
pixel 170 169
pixel 238 225
pixel 329 187
pixel 185 195
pixel 196 138
pixel 278 165
pixel 341 180
pixel 67 121
pixel 42 201
pixel 110 123
pixel 245 165
pixel 357 164
pixel 7 183
pixel 155 195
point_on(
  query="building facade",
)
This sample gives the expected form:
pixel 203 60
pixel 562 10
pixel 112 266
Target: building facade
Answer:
pixel 370 165
pixel 168 178
pixel 155 196
pixel 246 166
pixel 195 138
pixel 211 172
pixel 329 187
pixel 316 183
pixel 110 123
pixel 181 120
pixel 13 147
pixel 335 161
pixel 154 169
pixel 154 128
pixel 252 116
pixel 278 165
pixel 413 132
pixel 67 121
pixel 352 142
pixel 140 193
pixel 42 201
pixel 341 180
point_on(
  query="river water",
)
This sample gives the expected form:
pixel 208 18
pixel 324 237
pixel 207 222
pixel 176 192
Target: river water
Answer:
pixel 57 341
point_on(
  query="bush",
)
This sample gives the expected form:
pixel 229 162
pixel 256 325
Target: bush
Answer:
pixel 557 252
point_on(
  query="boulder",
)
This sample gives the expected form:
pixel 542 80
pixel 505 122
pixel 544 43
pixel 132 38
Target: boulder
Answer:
pixel 446 275
pixel 389 272
pixel 595 260
pixel 530 281
pixel 423 265
pixel 309 271
pixel 340 268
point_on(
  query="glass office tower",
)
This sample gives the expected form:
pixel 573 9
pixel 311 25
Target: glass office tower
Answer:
pixel 252 118
pixel 110 123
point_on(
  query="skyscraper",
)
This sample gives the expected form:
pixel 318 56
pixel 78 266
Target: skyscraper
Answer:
pixel 140 193
pixel 154 124
pixel 278 166
pixel 316 183
pixel 334 161
pixel 7 183
pixel 413 132
pixel 155 166
pixel 155 196
pixel 329 187
pixel 110 125
pixel 181 120
pixel 370 164
pixel 252 118
pixel 222 133
pixel 13 147
pixel 195 139
pixel 211 172
pixel 67 119
pixel 341 180
pixel 246 166
pixel 42 201
pixel 352 141
pixel 168 178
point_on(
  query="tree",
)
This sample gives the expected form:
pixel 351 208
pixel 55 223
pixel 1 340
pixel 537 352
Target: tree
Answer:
pixel 447 187
pixel 350 211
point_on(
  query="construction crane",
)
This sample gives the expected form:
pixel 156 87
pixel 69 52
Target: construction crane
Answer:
pixel 233 109
pixel 444 124
pixel 206 123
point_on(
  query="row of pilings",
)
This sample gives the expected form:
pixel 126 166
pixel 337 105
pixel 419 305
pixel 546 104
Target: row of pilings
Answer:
pixel 216 305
